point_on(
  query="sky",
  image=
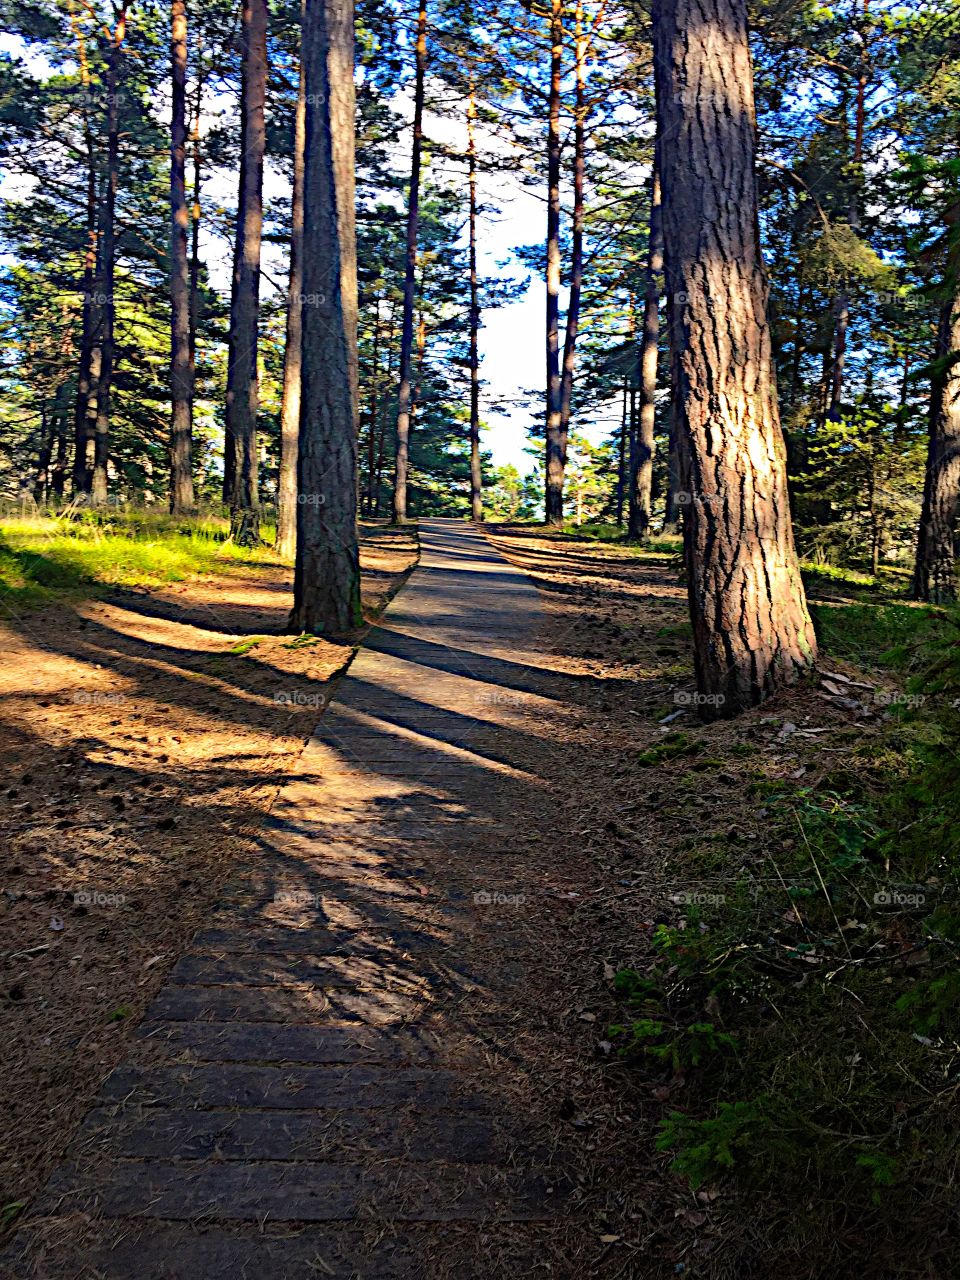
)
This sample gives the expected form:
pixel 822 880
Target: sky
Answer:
pixel 511 339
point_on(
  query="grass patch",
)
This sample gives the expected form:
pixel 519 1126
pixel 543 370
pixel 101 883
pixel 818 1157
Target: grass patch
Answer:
pixel 40 557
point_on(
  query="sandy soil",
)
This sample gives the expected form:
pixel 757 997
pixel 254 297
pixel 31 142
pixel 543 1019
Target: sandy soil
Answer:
pixel 142 741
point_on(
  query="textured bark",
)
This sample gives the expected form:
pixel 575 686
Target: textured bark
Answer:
pixel 476 473
pixel 181 370
pixel 85 406
pixel 576 250
pixel 554 435
pixel 752 631
pixel 292 355
pixel 935 576
pixel 106 275
pixel 624 457
pixel 641 454
pixel 327 573
pixel 242 384
pixel 195 234
pixel 405 398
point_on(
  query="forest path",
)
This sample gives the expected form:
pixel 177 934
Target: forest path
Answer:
pixel 311 1092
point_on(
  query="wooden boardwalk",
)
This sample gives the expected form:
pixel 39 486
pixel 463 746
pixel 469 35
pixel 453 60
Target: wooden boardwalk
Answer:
pixel 310 1095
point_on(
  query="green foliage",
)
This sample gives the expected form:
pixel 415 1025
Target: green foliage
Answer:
pixel 674 745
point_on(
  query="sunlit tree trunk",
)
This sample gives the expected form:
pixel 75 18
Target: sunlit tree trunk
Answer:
pixel 935 576
pixel 107 273
pixel 195 211
pixel 476 473
pixel 554 434
pixel 641 456
pixel 752 631
pixel 181 371
pixel 327 573
pixel 576 252
pixel 405 398
pixel 240 474
pixel 290 409
pixel 85 406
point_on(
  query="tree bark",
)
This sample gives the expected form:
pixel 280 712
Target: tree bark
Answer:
pixel 327 572
pixel 242 378
pixel 85 407
pixel 576 249
pixel 107 273
pixel 405 399
pixel 935 576
pixel 181 370
pixel 196 183
pixel 476 473
pixel 641 456
pixel 292 355
pixel 554 434
pixel 752 631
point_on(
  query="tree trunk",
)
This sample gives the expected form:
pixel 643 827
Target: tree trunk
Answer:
pixel 47 429
pixel 404 402
pixel 327 573
pixel 476 473
pixel 290 410
pixel 242 384
pixel 85 408
pixel 752 631
pixel 625 448
pixel 58 477
pixel 108 242
pixel 935 577
pixel 641 458
pixel 374 415
pixel 576 251
pixel 554 433
pixel 181 372
pixel 195 235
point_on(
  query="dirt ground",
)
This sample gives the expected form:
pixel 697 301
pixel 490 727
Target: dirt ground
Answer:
pixel 141 752
pixel 142 740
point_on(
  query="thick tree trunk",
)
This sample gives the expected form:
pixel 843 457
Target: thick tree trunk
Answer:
pixel 107 274
pixel 641 456
pixel 554 434
pixel 181 372
pixel 752 631
pixel 576 250
pixel 242 383
pixel 290 409
pixel 476 473
pixel 405 398
pixel 935 574
pixel 327 574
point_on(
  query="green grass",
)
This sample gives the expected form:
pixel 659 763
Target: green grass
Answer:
pixel 43 556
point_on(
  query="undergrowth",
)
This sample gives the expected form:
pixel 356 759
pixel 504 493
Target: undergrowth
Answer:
pixel 804 1014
